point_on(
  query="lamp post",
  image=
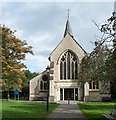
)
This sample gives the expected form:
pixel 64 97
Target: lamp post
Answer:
pixel 47 70
pixel 68 97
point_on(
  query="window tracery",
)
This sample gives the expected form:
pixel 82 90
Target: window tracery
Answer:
pixel 43 83
pixel 68 66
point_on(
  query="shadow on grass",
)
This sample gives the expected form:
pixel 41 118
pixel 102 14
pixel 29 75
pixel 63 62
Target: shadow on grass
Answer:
pixel 95 111
pixel 26 110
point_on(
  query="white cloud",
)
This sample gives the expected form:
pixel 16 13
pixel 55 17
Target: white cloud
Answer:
pixel 42 25
pixel 58 1
pixel 40 43
pixel 36 63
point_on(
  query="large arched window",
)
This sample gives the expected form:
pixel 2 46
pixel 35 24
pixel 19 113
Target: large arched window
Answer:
pixel 68 66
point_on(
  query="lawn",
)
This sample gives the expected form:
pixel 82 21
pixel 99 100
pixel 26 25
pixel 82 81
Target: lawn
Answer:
pixel 94 111
pixel 26 110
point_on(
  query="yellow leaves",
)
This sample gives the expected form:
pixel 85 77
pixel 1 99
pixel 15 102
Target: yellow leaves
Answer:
pixel 2 82
pixel 5 73
pixel 22 66
pixel 13 51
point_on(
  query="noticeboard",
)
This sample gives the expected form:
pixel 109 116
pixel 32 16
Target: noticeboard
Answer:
pixel 16 92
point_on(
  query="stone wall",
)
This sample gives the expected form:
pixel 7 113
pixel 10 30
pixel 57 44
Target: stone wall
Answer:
pixel 92 98
pixel 40 96
pixel 68 43
pixel 101 94
pixel 106 97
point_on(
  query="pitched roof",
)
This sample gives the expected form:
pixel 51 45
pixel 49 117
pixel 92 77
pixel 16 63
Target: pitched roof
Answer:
pixel 61 42
pixel 68 30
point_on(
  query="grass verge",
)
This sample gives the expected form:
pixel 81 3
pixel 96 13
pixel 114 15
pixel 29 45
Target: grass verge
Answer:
pixel 23 110
pixel 95 111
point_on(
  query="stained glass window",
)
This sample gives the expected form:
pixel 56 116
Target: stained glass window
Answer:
pixel 64 70
pixel 76 70
pixel 68 66
pixel 72 70
pixel 61 71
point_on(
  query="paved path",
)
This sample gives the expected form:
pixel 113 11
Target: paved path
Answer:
pixel 68 111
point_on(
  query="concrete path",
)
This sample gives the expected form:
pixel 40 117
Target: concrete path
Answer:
pixel 68 111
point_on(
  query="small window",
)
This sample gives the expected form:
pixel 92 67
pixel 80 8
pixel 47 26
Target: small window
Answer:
pixel 97 85
pixel 41 85
pixel 93 85
pixel 44 77
pixel 45 85
pixel 90 86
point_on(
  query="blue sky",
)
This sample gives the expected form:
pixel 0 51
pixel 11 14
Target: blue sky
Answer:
pixel 42 25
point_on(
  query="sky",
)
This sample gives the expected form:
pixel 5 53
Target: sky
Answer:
pixel 42 25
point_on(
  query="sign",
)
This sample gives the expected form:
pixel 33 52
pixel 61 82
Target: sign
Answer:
pixel 16 92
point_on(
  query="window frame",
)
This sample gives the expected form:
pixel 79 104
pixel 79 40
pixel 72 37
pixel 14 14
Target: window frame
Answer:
pixel 94 85
pixel 72 55
pixel 44 84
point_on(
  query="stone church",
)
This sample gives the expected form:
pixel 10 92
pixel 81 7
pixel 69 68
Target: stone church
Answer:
pixel 65 66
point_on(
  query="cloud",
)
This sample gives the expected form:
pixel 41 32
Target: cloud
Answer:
pixel 36 63
pixel 42 25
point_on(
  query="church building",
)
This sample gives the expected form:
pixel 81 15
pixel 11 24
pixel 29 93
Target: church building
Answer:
pixel 65 65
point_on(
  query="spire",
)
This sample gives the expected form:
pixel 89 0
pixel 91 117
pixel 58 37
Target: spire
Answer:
pixel 68 29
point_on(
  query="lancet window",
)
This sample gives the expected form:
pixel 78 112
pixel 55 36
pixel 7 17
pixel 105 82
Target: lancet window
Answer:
pixel 43 83
pixel 68 66
pixel 94 85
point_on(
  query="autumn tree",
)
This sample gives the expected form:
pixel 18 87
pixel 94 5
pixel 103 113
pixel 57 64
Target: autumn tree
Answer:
pixel 13 52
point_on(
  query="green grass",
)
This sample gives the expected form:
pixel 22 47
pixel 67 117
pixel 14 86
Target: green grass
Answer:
pixel 6 100
pixel 95 111
pixel 12 99
pixel 113 101
pixel 26 110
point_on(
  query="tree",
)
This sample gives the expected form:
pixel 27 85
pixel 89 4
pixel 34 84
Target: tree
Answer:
pixel 25 84
pixel 93 64
pixel 100 64
pixel 30 75
pixel 108 31
pixel 13 52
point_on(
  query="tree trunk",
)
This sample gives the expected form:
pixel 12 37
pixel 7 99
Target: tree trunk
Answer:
pixel 8 99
